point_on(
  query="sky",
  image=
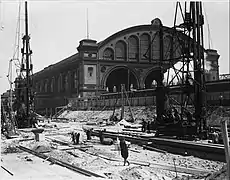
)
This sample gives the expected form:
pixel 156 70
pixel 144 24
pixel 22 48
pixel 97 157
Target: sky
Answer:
pixel 57 26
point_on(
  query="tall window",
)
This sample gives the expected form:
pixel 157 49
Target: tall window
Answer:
pixel 66 84
pixel 46 85
pixel 156 47
pixel 120 50
pixel 75 79
pixel 133 48
pixel 41 86
pixel 37 87
pixel 176 48
pixel 60 83
pixel 167 47
pixel 52 85
pixel 145 51
pixel 108 54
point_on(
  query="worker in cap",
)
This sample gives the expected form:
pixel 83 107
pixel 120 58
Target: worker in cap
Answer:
pixel 124 150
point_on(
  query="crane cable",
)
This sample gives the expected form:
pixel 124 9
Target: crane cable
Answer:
pixel 16 51
pixel 1 16
pixel 210 44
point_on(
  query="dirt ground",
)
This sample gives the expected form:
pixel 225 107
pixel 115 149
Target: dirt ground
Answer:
pixel 106 159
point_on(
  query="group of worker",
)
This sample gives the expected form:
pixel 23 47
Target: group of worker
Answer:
pixel 171 115
pixel 147 125
pixel 123 145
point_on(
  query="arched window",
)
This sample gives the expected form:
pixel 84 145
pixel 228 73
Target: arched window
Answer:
pixel 52 85
pixel 176 48
pixel 167 47
pixel 75 80
pixel 60 83
pixel 41 86
pixel 108 54
pixel 65 83
pixel 156 47
pixel 46 85
pixel 145 43
pixel 37 87
pixel 120 50
pixel 133 48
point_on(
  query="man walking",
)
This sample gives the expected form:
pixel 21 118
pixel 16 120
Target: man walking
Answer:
pixel 124 150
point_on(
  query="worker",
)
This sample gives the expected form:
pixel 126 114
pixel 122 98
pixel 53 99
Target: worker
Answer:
pixel 75 137
pixel 143 125
pixel 148 127
pixel 89 133
pixel 101 136
pixel 124 150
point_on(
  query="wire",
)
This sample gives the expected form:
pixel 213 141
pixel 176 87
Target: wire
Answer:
pixel 1 16
pixel 210 44
pixel 16 50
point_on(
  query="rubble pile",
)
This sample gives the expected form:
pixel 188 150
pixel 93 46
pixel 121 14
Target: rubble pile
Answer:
pixel 214 115
pixel 221 174
pixel 139 172
pixel 9 146
pixel 139 113
pixel 106 159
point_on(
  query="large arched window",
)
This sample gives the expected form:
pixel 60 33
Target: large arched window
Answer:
pixel 156 47
pixel 37 87
pixel 145 43
pixel 167 47
pixel 176 48
pixel 41 86
pixel 66 83
pixel 75 79
pixel 60 83
pixel 46 85
pixel 133 48
pixel 108 54
pixel 52 85
pixel 120 50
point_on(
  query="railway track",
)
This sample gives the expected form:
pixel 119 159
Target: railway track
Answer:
pixel 202 150
pixel 61 163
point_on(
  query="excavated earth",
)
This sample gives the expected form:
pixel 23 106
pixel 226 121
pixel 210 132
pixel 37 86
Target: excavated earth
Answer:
pixel 106 159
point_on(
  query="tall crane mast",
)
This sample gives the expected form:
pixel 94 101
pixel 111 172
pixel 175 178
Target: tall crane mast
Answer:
pixel 192 52
pixel 23 83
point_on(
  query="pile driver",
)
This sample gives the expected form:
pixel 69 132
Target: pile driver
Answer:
pixel 23 104
pixel 188 117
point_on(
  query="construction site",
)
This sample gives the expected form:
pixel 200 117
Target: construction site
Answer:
pixel 140 104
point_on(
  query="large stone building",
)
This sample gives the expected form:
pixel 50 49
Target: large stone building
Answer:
pixel 130 56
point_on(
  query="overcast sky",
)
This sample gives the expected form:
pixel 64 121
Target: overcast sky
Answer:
pixel 56 27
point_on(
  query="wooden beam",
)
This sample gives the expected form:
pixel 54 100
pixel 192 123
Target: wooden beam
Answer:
pixel 61 163
pixel 226 142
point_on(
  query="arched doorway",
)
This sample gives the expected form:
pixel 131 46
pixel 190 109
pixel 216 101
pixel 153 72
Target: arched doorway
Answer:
pixel 118 76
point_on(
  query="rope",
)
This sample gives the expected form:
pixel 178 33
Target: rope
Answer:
pixel 210 44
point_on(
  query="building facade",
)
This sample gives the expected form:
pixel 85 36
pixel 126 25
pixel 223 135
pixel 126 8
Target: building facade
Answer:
pixel 130 56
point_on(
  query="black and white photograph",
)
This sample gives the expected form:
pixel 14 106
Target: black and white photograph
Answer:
pixel 114 89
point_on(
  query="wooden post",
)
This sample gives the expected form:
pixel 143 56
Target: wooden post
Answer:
pixel 226 142
pixel 224 118
pixel 122 101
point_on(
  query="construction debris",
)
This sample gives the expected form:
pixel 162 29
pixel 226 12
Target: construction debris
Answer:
pixel 105 160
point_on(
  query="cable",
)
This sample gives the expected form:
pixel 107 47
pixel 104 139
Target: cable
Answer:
pixel 210 44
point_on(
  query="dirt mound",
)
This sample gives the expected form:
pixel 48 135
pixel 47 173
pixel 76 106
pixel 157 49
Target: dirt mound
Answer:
pixel 214 115
pixel 9 148
pixel 42 147
pixel 220 175
pixel 137 173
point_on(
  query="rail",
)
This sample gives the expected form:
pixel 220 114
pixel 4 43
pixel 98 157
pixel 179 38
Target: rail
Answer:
pixel 201 150
pixel 61 163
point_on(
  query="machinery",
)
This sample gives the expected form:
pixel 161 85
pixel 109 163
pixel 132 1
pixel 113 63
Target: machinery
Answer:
pixel 187 118
pixel 23 104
